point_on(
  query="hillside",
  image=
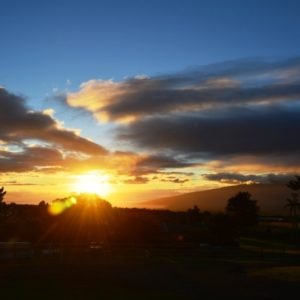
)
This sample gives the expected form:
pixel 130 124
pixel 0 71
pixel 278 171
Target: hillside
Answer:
pixel 271 198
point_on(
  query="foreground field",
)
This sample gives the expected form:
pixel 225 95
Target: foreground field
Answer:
pixel 188 274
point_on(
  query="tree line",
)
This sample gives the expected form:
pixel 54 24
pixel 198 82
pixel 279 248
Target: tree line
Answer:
pixel 86 218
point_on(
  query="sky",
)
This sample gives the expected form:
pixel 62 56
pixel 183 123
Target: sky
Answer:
pixel 147 98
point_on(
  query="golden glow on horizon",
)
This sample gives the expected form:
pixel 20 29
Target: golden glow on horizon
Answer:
pixel 93 183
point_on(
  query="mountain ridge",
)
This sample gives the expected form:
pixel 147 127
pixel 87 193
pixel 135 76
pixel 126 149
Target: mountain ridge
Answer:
pixel 271 198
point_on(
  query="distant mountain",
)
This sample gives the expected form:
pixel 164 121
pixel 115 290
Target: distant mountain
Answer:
pixel 271 198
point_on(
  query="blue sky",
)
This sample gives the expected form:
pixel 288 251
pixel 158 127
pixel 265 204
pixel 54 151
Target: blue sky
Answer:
pixel 46 43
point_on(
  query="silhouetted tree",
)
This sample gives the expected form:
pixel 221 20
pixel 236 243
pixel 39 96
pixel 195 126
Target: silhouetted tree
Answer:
pixel 82 218
pixel 2 203
pixel 294 184
pixel 2 194
pixel 293 205
pixel 242 209
pixel 293 202
pixel 43 204
pixel 194 213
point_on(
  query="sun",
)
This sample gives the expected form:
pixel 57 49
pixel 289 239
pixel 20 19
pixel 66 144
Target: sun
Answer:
pixel 94 183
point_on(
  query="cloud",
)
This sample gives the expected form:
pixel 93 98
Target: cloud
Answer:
pixel 29 159
pixel 155 163
pixel 15 183
pixel 136 165
pixel 161 178
pixel 137 180
pixel 274 163
pixel 238 178
pixel 131 165
pixel 173 179
pixel 220 112
pixel 19 123
pixel 241 82
pixel 231 113
pixel 35 141
pixel 239 131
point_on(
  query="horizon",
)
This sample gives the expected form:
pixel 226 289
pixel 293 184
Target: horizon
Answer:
pixel 140 101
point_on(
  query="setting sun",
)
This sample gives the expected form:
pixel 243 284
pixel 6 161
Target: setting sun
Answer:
pixel 92 183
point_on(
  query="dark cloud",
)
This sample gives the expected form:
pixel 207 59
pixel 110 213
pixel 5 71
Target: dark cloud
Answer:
pixel 239 131
pixel 222 112
pixel 237 178
pixel 137 180
pixel 233 109
pixel 234 178
pixel 176 173
pixel 30 159
pixel 279 178
pixel 173 179
pixel 144 179
pixel 155 102
pixel 225 84
pixel 19 123
pixel 161 162
pixel 156 163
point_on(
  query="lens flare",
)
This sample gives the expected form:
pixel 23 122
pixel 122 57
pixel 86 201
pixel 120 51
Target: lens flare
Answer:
pixel 60 205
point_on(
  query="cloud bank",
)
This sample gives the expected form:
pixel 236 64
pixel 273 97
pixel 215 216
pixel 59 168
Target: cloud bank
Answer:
pixel 32 139
pixel 220 112
pixel 35 141
pixel 221 120
pixel 19 123
pixel 242 82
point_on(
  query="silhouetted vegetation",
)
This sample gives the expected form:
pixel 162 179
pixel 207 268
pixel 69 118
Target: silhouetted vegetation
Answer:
pixel 2 194
pixel 86 218
pixel 293 202
pixel 242 209
pixel 294 184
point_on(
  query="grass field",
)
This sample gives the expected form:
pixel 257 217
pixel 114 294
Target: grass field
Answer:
pixel 174 275
pixel 265 266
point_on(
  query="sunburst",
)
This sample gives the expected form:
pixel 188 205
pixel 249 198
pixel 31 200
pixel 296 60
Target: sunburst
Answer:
pixel 94 183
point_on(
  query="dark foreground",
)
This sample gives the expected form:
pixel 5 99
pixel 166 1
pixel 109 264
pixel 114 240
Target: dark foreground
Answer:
pixel 175 275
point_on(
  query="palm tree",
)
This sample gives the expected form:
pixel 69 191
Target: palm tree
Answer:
pixel 2 203
pixel 2 194
pixel 293 205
